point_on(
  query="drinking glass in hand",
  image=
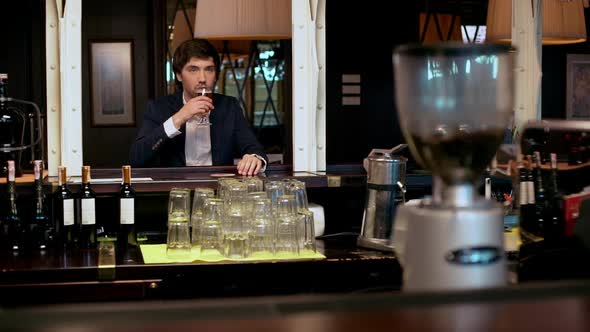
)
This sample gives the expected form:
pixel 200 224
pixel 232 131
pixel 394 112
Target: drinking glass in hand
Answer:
pixel 204 121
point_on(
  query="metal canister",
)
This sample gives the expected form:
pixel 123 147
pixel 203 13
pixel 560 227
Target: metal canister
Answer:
pixel 386 176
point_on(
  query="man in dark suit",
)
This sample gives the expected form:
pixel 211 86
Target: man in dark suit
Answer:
pixel 195 127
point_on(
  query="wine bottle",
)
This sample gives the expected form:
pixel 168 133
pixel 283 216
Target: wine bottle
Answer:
pixel 40 229
pixel 126 235
pixel 523 200
pixel 64 210
pixel 556 217
pixel 533 227
pixel 11 223
pixel 88 212
pixel 540 197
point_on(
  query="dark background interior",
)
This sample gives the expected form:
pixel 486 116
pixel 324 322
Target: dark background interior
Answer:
pixel 360 40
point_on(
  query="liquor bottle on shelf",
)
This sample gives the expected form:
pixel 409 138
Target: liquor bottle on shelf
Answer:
pixel 541 203
pixel 12 123
pixel 64 210
pixel 523 201
pixel 530 228
pixel 88 212
pixel 487 182
pixel 126 236
pixel 556 217
pixel 12 230
pixel 41 230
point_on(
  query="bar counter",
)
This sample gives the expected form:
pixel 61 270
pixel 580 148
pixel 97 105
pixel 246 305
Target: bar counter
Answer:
pixel 163 179
pixel 95 275
pixel 557 306
pixel 75 275
pixel 352 289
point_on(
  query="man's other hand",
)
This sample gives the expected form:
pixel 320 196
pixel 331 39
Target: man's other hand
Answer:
pixel 249 165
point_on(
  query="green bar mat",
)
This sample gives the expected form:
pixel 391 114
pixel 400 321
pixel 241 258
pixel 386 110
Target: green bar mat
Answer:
pixel 156 254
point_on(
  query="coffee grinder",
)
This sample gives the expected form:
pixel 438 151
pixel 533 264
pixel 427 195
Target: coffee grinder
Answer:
pixel 454 102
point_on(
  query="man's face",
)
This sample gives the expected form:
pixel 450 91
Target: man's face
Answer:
pixel 197 74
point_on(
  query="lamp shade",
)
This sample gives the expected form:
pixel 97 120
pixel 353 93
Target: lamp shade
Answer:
pixel 181 30
pixel 243 19
pixel 563 21
pixel 445 23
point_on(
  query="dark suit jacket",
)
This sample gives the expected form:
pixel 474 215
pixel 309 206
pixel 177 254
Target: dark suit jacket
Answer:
pixel 230 134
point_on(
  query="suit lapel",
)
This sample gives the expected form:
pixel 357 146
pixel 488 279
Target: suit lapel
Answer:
pixel 216 119
pixel 175 105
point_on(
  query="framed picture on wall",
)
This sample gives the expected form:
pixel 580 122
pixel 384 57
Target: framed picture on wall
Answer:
pixel 578 87
pixel 112 87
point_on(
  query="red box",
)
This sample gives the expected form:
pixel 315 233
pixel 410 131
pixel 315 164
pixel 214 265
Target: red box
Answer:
pixel 571 210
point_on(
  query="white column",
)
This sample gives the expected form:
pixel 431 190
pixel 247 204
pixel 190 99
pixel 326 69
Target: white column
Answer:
pixel 71 86
pixel 321 93
pixel 53 12
pixel 305 86
pixel 527 27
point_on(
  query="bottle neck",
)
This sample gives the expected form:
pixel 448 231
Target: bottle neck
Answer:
pixel 3 88
pixel 63 179
pixel 539 180
pixel 12 196
pixel 126 175
pixel 39 195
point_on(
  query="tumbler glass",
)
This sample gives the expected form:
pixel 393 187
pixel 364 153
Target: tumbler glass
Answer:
pixel 306 231
pixel 254 184
pixel 235 236
pixel 261 228
pixel 211 237
pixel 274 190
pixel 222 185
pixel 297 189
pixel 178 205
pixel 235 198
pixel 197 215
pixel 287 226
pixel 178 243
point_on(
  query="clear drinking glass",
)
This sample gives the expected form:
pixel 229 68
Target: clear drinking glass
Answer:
pixel 178 205
pixel 204 121
pixel 297 189
pixel 287 226
pixel 274 190
pixel 306 231
pixel 235 236
pixel 222 186
pixel 197 215
pixel 235 220
pixel 211 237
pixel 235 197
pixel 178 243
pixel 261 228
pixel 254 184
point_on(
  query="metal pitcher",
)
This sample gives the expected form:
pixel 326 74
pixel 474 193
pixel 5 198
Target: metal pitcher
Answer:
pixel 386 176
